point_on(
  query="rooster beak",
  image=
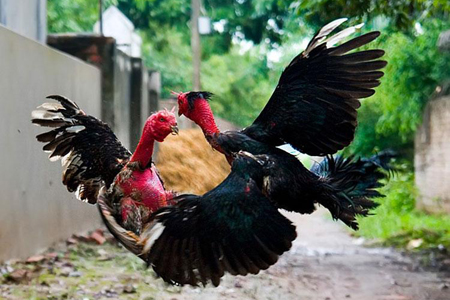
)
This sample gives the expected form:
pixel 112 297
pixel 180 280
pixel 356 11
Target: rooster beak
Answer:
pixel 174 129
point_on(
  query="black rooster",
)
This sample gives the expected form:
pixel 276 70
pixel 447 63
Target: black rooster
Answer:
pixel 313 108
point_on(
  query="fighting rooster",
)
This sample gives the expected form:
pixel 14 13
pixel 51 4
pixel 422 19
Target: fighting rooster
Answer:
pixel 314 109
pixel 92 158
pixel 233 228
pixel 236 227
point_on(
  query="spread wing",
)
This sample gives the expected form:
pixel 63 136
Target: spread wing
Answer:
pixel 90 153
pixel 233 228
pixel 314 105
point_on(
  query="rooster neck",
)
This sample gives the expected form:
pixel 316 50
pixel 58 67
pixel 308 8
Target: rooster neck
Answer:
pixel 144 150
pixel 203 116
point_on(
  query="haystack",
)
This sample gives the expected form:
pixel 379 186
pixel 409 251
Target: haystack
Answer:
pixel 188 164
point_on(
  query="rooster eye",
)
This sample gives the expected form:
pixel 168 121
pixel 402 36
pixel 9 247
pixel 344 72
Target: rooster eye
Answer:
pixel 162 119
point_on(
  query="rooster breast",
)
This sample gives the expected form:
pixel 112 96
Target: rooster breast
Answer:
pixel 143 186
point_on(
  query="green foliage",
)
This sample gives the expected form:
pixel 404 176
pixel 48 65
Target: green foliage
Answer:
pixel 415 67
pixel 243 78
pixel 396 221
pixel 73 15
pixel 172 59
pixel 399 14
pixel 240 77
pixel 247 20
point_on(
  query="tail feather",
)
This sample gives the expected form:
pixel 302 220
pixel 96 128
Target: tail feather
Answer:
pixel 350 184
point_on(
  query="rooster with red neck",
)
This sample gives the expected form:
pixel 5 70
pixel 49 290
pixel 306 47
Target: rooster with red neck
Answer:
pixel 314 109
pixel 93 158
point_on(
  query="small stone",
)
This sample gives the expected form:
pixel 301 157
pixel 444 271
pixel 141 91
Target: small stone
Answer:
pixel 35 259
pixel 66 271
pixel 51 255
pixel 82 237
pixel 129 289
pixel 413 244
pixel 98 238
pixel 444 286
pixel 72 241
pixel 18 276
pixel 75 274
pixel 100 231
pixel 6 269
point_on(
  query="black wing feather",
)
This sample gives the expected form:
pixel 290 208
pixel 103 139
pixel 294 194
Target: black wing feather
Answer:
pixel 90 152
pixel 231 232
pixel 314 104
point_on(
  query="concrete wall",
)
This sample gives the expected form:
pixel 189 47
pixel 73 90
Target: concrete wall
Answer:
pixel 27 17
pixel 122 92
pixel 35 208
pixel 140 107
pixel 432 156
pixel 124 82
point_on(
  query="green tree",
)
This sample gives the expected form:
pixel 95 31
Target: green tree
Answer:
pixel 73 15
pixel 415 67
pixel 399 14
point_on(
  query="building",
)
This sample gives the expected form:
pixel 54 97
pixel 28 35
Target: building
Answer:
pixel 119 27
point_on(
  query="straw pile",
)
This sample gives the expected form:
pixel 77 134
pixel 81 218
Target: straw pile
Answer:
pixel 188 164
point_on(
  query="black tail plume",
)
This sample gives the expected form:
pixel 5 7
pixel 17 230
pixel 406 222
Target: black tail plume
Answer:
pixel 350 184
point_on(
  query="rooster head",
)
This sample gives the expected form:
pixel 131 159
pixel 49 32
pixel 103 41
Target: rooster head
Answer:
pixel 190 102
pixel 161 124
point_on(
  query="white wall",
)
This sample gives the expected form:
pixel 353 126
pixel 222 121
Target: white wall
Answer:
pixel 35 208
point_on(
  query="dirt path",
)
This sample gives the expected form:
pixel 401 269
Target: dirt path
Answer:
pixel 325 263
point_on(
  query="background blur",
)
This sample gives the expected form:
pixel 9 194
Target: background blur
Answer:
pixel 122 66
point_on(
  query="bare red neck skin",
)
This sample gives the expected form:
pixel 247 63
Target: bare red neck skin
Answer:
pixel 144 150
pixel 203 116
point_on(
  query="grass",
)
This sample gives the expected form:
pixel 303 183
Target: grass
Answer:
pixel 98 278
pixel 397 221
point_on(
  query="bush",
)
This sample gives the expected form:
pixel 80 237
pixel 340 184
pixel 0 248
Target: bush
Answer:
pixel 396 221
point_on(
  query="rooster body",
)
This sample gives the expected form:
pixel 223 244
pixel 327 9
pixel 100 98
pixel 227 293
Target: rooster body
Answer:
pixel 314 109
pixel 93 158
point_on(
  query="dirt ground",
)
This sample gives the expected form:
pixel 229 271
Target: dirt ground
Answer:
pixel 324 263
